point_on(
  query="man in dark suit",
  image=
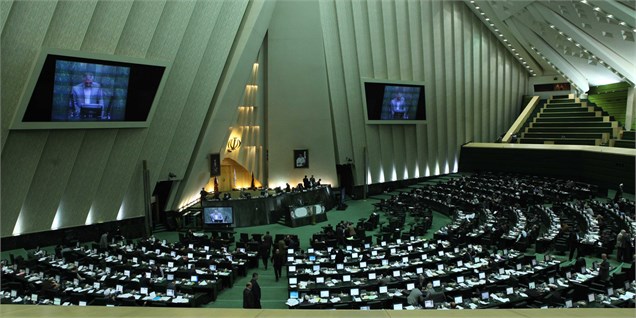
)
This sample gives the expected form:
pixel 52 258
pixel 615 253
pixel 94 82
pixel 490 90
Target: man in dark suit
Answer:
pixel 264 251
pixel 268 238
pixel 573 242
pixel 248 297
pixel 256 290
pixel 604 268
pixel 278 260
pixel 88 95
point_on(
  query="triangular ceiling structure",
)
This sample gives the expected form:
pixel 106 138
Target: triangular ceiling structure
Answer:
pixel 588 43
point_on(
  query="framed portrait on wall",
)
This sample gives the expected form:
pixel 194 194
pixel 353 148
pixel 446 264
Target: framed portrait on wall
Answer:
pixel 301 158
pixel 215 164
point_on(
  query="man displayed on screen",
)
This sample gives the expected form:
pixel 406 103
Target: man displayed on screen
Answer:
pixel 398 107
pixel 87 99
pixel 216 216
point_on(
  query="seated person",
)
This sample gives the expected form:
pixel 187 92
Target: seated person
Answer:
pixel 415 297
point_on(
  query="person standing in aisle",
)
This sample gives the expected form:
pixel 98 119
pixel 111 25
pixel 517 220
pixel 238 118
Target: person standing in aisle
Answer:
pixel 256 290
pixel 278 260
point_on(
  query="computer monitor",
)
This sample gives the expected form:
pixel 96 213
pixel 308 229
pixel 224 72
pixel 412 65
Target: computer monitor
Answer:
pixel 409 248
pixel 405 259
pixel 354 292
pixel 501 271
pixel 518 267
pixel 363 264
pixel 143 290
pixel 213 267
pixel 460 279
pixel 320 280
pixel 440 267
pixel 290 251
pixel 242 250
pixel 367 246
pixel 310 250
pixel 440 253
pixel 293 280
pixel 332 257
pixel 393 251
pixel 194 278
pixel 346 278
pixel 610 291
pixel 290 258
pixel 397 273
pixel 312 258
pixel 293 294
pixel 383 289
pixel 509 291
pixel 324 294
pixel 349 247
pixel 460 263
pixel 568 303
pixel 398 241
pixel 385 262
pixel 485 295
pixel 365 308
pixel 372 276
pixel 419 270
pixel 339 266
pixel 354 255
pixel 374 253
pixel 482 275
pixel 148 275
pixel 316 268
pixel 170 277
pixel 170 264
pixel 127 273
pixel 591 297
pixel 291 268
pixel 531 285
pixel 410 286
pixel 437 283
pixel 383 243
pixel 398 306
pixel 551 280
pixel 119 288
pixel 424 256
pixel 429 304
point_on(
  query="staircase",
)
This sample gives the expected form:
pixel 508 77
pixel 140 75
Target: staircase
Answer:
pixel 627 140
pixel 566 121
pixel 159 227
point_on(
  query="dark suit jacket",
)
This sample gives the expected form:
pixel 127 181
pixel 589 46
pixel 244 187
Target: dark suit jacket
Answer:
pixel 256 292
pixel 248 299
pixel 603 270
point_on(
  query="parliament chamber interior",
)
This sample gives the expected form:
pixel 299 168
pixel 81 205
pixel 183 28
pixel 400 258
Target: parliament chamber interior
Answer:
pixel 260 158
